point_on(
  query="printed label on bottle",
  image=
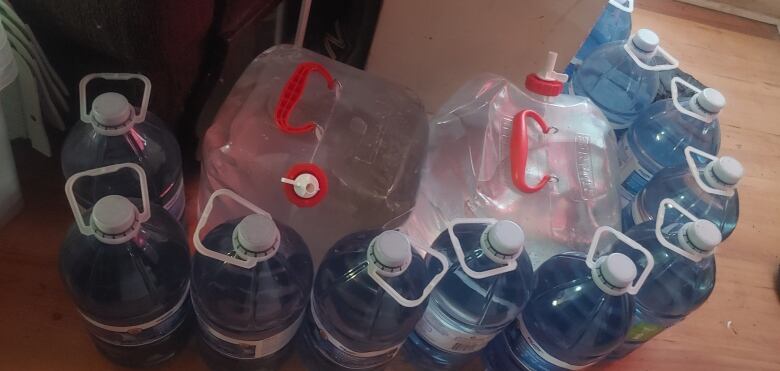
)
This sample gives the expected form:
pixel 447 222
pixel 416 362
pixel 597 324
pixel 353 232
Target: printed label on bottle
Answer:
pixel 541 352
pixel 643 331
pixel 436 333
pixel 144 333
pixel 175 205
pixel 633 177
pixel 248 349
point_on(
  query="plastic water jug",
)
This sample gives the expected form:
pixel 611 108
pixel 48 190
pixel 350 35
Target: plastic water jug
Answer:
pixel 126 265
pixel 251 281
pixel 544 160
pixel 659 136
pixel 614 24
pixel 622 77
pixel 488 283
pixel 370 291
pixel 709 192
pixel 111 132
pixel 347 146
pixel 682 278
pixel 579 312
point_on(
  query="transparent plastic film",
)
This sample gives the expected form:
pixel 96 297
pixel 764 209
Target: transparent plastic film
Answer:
pixel 689 157
pixel 665 205
pixel 676 81
pixel 671 61
pixel 137 117
pixel 632 289
pixel 456 245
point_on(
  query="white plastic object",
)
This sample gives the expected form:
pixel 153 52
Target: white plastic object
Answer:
pixel 303 21
pixel 548 72
pixel 257 233
pixel 47 103
pixel 618 270
pixel 632 289
pixel 392 251
pixel 624 5
pixel 704 238
pixel 305 185
pixel 645 41
pixel 85 227
pixel 709 99
pixel 508 266
pixel 10 190
pixel 729 169
pixel 111 107
pixel 373 272
pixel 247 262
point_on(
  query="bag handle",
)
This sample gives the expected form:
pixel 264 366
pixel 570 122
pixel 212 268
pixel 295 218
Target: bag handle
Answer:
pixel 137 117
pixel 689 152
pixel 519 150
pixel 668 203
pixel 708 118
pixel 510 266
pixel 633 289
pixel 292 93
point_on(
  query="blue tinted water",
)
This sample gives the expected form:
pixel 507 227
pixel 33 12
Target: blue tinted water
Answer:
pixel 568 317
pixel 464 313
pixel 263 303
pixel 131 284
pixel 613 25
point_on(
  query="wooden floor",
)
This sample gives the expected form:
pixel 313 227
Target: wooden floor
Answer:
pixel 738 328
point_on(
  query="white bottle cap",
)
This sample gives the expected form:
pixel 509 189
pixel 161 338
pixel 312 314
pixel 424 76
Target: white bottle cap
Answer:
pixel 506 237
pixel 728 170
pixel 257 233
pixel 711 100
pixel 703 234
pixel 645 40
pixel 618 270
pixel 304 185
pixel 114 215
pixel 622 2
pixel 111 109
pixel 392 250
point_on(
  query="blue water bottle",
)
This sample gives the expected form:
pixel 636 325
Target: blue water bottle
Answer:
pixel 251 282
pixel 487 285
pixel 621 78
pixel 682 278
pixel 614 24
pixel 126 265
pixel 579 312
pixel 369 292
pixel 111 132
pixel 658 138
pixel 709 192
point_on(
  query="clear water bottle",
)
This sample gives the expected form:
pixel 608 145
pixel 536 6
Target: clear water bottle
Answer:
pixel 682 278
pixel 579 312
pixel 251 282
pixel 659 136
pixel 487 285
pixel 614 24
pixel 128 271
pixel 621 78
pixel 114 132
pixel 370 291
pixel 708 192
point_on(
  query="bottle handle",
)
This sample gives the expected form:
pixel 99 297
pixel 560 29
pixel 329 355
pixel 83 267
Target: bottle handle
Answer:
pixel 83 225
pixel 411 303
pixel 708 118
pixel 139 116
pixel 510 266
pixel 689 152
pixel 519 150
pixel 591 262
pixel 626 8
pixel 292 93
pixel 659 222
pixel 673 63
pixel 250 261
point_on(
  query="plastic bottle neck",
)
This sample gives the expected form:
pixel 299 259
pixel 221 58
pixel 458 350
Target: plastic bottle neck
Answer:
pixel 710 179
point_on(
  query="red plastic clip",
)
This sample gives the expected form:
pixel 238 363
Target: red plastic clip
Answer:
pixel 291 94
pixel 319 190
pixel 519 150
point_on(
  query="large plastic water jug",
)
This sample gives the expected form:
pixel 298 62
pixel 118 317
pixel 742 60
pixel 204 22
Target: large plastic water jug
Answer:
pixel 323 147
pixel 488 283
pixel 126 264
pixel 544 160
pixel 111 132
pixel 251 281
pixel 370 291
pixel 682 278
pixel 658 138
pixel 579 312
pixel 708 191
pixel 614 24
pixel 622 77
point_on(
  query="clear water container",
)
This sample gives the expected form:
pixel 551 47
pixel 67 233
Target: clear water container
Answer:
pixel 614 24
pixel 544 160
pixel 323 147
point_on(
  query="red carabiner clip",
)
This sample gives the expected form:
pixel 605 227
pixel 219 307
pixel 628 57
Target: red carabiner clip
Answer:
pixel 291 94
pixel 519 150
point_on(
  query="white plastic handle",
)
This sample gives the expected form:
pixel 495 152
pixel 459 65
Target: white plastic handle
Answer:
pixel 247 262
pixel 659 222
pixel 139 116
pixel 626 8
pixel 673 62
pixel 411 303
pixel 708 118
pixel 689 152
pixel 591 262
pixel 510 266
pixel 78 211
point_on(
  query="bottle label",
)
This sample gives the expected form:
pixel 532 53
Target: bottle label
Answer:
pixel 436 333
pixel 643 331
pixel 175 204
pixel 633 177
pixel 143 333
pixel 541 352
pixel 248 349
